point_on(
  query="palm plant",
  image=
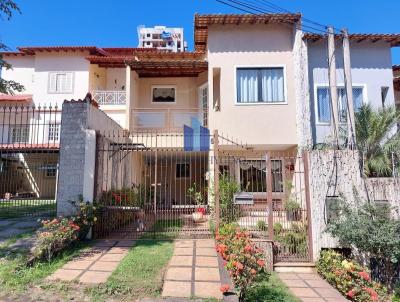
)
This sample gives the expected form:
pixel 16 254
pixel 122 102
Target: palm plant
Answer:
pixel 377 139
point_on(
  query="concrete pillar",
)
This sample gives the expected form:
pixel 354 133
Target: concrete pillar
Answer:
pixel 77 156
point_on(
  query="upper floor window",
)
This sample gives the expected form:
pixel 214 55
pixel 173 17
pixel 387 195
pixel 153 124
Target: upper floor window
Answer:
pixel 163 94
pixel 323 103
pixel 61 82
pixel 260 85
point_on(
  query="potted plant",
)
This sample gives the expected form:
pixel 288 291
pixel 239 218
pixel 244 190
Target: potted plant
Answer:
pixel 197 197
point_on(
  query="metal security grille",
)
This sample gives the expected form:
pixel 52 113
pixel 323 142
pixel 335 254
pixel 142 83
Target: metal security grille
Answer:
pixel 29 145
pixel 150 185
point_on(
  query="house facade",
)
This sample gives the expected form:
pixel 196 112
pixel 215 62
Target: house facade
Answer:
pixel 259 81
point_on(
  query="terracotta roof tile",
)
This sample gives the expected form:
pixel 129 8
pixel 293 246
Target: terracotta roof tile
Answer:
pixel 15 97
pixel 202 22
pixel 392 39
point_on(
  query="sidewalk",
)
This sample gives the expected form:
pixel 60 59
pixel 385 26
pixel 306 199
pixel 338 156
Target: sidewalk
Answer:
pixel 310 287
pixel 95 265
pixel 193 270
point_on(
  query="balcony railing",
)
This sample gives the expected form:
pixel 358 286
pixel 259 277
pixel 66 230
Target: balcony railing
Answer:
pixel 165 119
pixel 109 97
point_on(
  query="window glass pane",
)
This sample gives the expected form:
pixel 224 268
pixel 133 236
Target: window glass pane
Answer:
pixel 342 105
pixel 18 134
pixel 164 95
pixel 260 85
pixel 54 132
pixel 323 104
pixel 182 170
pixel 358 98
pixel 247 85
pixel 272 89
pixel 253 176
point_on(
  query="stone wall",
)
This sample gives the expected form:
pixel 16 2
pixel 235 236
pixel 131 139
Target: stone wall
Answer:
pixel 79 123
pixel 337 173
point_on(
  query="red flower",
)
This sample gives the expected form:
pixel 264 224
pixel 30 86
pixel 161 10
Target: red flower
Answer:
pixel 372 293
pixel 261 262
pixel 239 266
pixel 365 276
pixel 253 271
pixel 351 293
pixel 224 288
pixel 248 248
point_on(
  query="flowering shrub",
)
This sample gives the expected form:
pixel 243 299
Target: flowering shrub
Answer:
pixel 86 217
pixel 350 278
pixel 55 236
pixel 243 260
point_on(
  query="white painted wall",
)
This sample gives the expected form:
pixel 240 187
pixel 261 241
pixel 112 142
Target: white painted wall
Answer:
pixel 371 65
pixel 49 62
pixel 22 72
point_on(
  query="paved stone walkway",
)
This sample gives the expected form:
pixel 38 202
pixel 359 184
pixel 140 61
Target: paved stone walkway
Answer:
pixel 193 270
pixel 95 265
pixel 310 287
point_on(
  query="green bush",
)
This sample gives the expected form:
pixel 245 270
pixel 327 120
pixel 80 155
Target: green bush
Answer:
pixel 350 278
pixel 229 211
pixel 262 225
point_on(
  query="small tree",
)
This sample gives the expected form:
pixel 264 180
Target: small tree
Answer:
pixel 7 8
pixel 372 231
pixel 377 139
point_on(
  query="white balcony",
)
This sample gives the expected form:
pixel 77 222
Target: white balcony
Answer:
pixel 109 97
pixel 169 120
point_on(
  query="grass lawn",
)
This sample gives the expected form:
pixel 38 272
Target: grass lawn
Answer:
pixel 272 290
pixel 16 279
pixel 21 207
pixel 164 229
pixel 139 274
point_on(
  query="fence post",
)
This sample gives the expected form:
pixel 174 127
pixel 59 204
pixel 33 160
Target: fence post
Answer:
pixel 216 179
pixel 308 203
pixel 269 196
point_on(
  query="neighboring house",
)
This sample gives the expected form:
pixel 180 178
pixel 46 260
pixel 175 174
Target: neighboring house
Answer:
pixel 371 71
pixel 396 84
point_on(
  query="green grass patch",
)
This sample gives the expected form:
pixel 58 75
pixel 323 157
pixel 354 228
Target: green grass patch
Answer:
pixel 164 229
pixel 21 207
pixel 17 278
pixel 271 290
pixel 139 274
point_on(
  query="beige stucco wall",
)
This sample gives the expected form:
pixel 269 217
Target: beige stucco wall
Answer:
pixel 252 45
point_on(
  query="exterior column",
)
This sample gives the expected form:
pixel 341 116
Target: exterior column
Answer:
pixel 333 84
pixel 128 97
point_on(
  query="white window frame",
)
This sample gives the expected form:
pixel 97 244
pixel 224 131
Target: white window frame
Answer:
pixel 51 167
pixel 58 127
pixel 163 86
pixel 285 97
pixel 61 92
pixel 340 85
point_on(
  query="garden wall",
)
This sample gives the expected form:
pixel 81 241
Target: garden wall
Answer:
pixel 80 120
pixel 337 174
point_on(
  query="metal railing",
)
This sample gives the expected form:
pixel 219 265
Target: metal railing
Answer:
pixel 109 97
pixel 165 119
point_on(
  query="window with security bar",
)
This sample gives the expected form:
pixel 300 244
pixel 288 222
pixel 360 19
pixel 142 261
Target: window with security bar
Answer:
pixel 18 134
pixel 60 82
pixel 323 103
pixel 54 133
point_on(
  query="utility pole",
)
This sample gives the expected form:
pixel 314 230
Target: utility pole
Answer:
pixel 349 89
pixel 333 84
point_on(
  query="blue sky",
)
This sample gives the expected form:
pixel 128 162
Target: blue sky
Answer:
pixel 113 23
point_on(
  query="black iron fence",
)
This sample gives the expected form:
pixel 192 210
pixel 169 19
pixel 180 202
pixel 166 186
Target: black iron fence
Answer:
pixel 29 147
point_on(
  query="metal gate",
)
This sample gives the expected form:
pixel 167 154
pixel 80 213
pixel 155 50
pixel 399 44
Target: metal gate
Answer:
pixel 29 153
pixel 157 185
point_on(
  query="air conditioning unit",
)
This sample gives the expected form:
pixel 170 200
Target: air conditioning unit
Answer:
pixel 243 198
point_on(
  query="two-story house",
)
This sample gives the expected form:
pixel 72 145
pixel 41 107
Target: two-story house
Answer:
pixel 258 79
